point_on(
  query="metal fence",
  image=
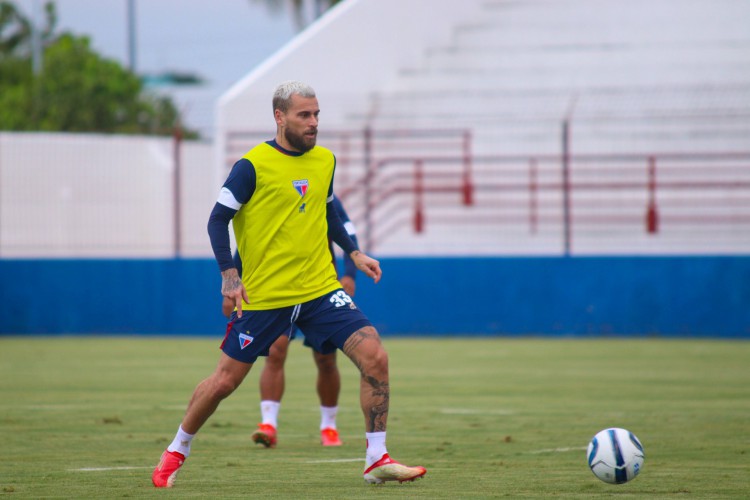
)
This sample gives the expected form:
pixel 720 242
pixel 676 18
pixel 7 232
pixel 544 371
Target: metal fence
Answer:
pixel 409 192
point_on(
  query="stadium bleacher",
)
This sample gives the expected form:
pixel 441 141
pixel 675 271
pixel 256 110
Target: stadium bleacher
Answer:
pixel 634 80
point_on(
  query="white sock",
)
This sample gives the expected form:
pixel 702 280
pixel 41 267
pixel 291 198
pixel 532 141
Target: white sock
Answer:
pixel 181 442
pixel 328 417
pixel 375 447
pixel 269 412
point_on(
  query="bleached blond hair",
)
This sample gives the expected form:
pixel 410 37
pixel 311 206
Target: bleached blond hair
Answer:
pixel 282 96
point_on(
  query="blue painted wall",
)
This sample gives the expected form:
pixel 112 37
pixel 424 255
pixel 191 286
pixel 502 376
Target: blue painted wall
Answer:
pixel 110 296
pixel 666 296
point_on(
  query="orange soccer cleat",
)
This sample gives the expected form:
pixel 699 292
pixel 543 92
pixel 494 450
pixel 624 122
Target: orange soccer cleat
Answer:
pixel 165 472
pixel 387 469
pixel 330 437
pixel 265 435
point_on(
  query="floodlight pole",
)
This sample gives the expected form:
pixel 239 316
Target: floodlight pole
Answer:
pixel 177 190
pixel 369 174
pixel 565 160
pixel 36 40
pixel 131 35
pixel 566 186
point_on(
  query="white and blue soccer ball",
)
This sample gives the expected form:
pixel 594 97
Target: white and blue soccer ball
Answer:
pixel 615 455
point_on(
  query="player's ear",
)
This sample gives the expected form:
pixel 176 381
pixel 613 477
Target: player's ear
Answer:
pixel 278 115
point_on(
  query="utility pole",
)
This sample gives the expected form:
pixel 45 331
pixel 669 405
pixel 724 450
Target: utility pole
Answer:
pixel 36 39
pixel 37 64
pixel 131 35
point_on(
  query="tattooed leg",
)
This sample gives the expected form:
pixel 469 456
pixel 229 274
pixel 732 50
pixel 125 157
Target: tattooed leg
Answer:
pixel 366 351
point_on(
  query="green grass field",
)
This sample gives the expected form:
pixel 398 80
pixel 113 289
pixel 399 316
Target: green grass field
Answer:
pixel 84 417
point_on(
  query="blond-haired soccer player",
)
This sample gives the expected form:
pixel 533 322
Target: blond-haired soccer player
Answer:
pixel 278 197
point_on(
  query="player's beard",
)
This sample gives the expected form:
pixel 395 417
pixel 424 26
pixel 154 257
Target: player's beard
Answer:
pixel 299 141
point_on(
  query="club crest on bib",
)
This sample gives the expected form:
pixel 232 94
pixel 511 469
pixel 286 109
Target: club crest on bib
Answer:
pixel 301 186
pixel 245 340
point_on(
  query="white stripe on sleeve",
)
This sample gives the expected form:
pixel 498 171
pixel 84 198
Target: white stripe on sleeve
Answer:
pixel 227 199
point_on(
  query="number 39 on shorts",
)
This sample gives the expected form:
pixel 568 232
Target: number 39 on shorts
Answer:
pixel 340 299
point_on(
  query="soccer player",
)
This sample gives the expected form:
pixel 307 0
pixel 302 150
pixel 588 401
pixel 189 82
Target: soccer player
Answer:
pixel 329 379
pixel 279 199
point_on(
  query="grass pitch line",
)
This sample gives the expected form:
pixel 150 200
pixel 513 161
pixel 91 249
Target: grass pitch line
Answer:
pixel 470 411
pixel 105 469
pixel 59 407
pixel 335 460
pixel 559 450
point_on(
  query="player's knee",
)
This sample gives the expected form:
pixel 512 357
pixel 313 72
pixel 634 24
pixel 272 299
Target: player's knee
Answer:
pixel 381 361
pixel 277 355
pixel 376 364
pixel 275 362
pixel 223 386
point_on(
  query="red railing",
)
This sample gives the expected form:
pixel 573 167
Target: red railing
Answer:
pixel 392 179
pixel 595 190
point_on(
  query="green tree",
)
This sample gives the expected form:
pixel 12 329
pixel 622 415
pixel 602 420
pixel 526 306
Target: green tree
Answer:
pixel 15 29
pixel 77 89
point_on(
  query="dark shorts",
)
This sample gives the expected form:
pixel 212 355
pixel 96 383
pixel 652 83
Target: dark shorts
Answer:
pixel 326 323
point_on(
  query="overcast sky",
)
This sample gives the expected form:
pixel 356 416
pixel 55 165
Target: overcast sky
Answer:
pixel 219 40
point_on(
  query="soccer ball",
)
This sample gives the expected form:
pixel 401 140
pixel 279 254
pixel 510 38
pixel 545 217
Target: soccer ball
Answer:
pixel 615 455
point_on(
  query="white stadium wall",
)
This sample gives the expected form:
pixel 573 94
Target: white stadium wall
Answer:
pixel 90 195
pixel 641 83
pixel 347 54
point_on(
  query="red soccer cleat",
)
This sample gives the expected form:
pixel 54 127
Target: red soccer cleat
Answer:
pixel 330 437
pixel 165 472
pixel 386 469
pixel 265 435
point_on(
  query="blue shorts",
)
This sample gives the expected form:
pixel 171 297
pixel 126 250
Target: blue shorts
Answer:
pixel 327 323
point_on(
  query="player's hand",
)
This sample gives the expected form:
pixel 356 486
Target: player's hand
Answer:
pixel 367 265
pixel 348 284
pixel 233 289
pixel 227 306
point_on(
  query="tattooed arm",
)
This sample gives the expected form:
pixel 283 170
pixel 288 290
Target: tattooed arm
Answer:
pixel 233 290
pixel 218 232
